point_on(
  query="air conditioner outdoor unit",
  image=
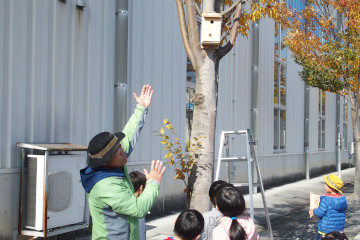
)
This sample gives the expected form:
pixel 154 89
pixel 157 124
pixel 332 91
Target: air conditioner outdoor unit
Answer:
pixel 55 196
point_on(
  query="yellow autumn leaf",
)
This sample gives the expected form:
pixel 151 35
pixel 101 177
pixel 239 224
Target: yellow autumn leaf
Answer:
pixel 180 175
pixel 161 130
pixel 168 155
pixel 169 126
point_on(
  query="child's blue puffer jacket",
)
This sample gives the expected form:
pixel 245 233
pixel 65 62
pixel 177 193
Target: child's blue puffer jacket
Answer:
pixel 332 213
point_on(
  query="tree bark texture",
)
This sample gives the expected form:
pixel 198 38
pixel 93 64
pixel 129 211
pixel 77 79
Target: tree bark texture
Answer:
pixel 354 100
pixel 205 62
pixel 204 119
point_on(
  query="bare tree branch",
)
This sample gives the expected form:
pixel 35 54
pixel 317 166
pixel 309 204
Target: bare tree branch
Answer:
pixel 234 32
pixel 183 30
pixel 230 8
pixel 193 31
pixel 198 10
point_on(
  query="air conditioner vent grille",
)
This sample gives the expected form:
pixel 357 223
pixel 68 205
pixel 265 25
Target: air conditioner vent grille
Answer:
pixel 31 192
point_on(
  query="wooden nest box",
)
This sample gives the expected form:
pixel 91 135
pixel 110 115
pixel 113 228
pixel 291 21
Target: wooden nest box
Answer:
pixel 210 29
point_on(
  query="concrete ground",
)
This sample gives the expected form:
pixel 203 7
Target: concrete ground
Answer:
pixel 288 209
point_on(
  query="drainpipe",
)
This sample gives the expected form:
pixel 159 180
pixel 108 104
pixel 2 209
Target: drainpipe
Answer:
pixel 234 112
pixel 120 81
pixel 255 89
pixel 338 121
pixel 338 135
pixel 255 81
pixel 306 130
pixel 306 125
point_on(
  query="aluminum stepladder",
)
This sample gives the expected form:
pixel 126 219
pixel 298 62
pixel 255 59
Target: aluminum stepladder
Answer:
pixel 251 160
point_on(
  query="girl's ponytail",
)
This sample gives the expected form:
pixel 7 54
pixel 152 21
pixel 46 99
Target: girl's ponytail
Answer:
pixel 231 203
pixel 236 231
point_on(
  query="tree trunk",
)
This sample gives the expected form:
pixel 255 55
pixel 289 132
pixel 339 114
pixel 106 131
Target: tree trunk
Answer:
pixel 204 120
pixel 355 125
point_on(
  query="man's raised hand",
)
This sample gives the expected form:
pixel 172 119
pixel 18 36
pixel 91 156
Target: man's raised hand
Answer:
pixel 145 96
pixel 156 172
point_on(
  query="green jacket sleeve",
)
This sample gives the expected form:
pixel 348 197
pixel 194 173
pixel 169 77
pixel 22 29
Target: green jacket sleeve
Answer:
pixel 117 194
pixel 133 128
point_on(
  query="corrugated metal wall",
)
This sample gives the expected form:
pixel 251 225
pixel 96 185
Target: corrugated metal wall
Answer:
pixel 57 66
pixel 157 56
pixel 234 111
pixel 56 82
pixel 266 88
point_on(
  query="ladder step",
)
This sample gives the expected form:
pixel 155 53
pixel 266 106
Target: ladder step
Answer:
pixel 234 132
pixel 245 184
pixel 233 159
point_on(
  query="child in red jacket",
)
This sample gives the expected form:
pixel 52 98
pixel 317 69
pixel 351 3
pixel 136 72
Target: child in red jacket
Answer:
pixel 332 207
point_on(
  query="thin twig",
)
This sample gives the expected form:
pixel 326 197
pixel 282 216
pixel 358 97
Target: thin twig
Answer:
pixel 230 8
pixel 234 32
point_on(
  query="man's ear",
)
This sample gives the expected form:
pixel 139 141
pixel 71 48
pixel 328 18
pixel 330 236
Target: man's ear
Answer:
pixel 141 188
pixel 197 237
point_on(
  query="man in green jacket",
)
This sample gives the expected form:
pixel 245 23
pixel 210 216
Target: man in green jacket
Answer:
pixel 113 206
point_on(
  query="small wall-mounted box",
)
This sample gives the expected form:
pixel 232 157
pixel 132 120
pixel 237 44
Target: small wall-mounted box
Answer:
pixel 210 30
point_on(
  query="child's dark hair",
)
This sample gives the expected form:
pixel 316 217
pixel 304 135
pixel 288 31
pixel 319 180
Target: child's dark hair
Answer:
pixel 137 179
pixel 214 187
pixel 189 224
pixel 332 188
pixel 335 236
pixel 231 203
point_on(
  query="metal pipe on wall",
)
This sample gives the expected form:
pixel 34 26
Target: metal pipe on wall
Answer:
pixel 306 130
pixel 338 113
pixel 338 136
pixel 255 89
pixel 255 80
pixel 120 81
pixel 306 125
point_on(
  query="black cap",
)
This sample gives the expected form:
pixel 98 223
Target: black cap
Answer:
pixel 101 148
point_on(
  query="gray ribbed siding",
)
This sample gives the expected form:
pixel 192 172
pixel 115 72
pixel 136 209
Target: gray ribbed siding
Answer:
pixel 57 65
pixel 156 56
pixel 295 109
pixel 276 166
pixel 56 82
pixel 266 88
pixel 234 101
